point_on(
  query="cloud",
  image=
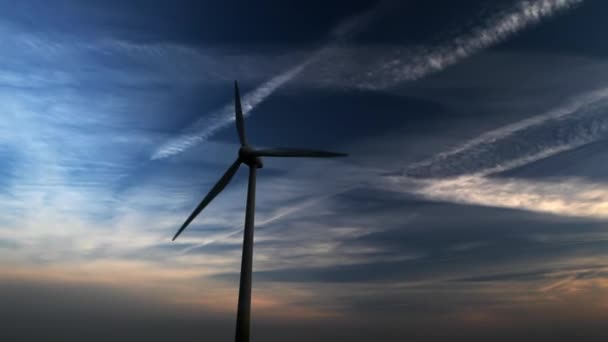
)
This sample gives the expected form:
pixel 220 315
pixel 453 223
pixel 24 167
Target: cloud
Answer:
pixel 578 122
pixel 568 197
pixel 205 127
pixel 411 67
pixel 468 173
pixel 412 64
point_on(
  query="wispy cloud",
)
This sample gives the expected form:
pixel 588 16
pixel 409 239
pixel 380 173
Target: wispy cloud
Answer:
pixel 205 127
pixel 412 64
pixel 466 173
pixel 576 123
pixel 568 197
pixel 210 124
pixel 409 67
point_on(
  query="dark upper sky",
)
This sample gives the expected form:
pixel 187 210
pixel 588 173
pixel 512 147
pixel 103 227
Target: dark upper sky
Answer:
pixel 473 204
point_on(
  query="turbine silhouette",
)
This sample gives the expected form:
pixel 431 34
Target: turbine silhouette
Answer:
pixel 252 158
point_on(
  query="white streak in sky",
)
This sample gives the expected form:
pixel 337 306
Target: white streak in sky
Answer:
pixel 210 124
pixel 581 122
pixel 577 123
pixel 568 197
pixel 414 65
pixel 496 29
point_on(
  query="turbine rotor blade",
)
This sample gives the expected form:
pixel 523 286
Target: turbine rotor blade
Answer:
pixel 217 188
pixel 296 152
pixel 238 111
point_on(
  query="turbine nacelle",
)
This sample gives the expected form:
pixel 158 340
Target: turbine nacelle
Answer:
pixel 248 156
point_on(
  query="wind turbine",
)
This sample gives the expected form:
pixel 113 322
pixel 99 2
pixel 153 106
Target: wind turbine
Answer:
pixel 252 158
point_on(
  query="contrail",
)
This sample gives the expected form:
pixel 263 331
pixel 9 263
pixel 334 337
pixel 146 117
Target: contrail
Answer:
pixel 496 29
pixel 577 123
pixel 581 122
pixel 207 126
pixel 500 27
pixel 461 174
pixel 411 65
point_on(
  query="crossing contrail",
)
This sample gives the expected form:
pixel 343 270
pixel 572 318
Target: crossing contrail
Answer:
pixel 206 126
pixel 574 124
pixel 466 173
pixel 411 64
pixel 410 67
pixel 210 124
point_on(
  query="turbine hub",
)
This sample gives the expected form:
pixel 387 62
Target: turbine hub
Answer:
pixel 247 156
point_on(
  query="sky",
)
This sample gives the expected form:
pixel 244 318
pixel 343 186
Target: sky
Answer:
pixel 473 204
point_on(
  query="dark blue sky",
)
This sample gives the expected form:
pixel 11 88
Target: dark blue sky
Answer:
pixel 473 204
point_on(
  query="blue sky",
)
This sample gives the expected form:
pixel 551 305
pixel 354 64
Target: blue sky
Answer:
pixel 474 197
